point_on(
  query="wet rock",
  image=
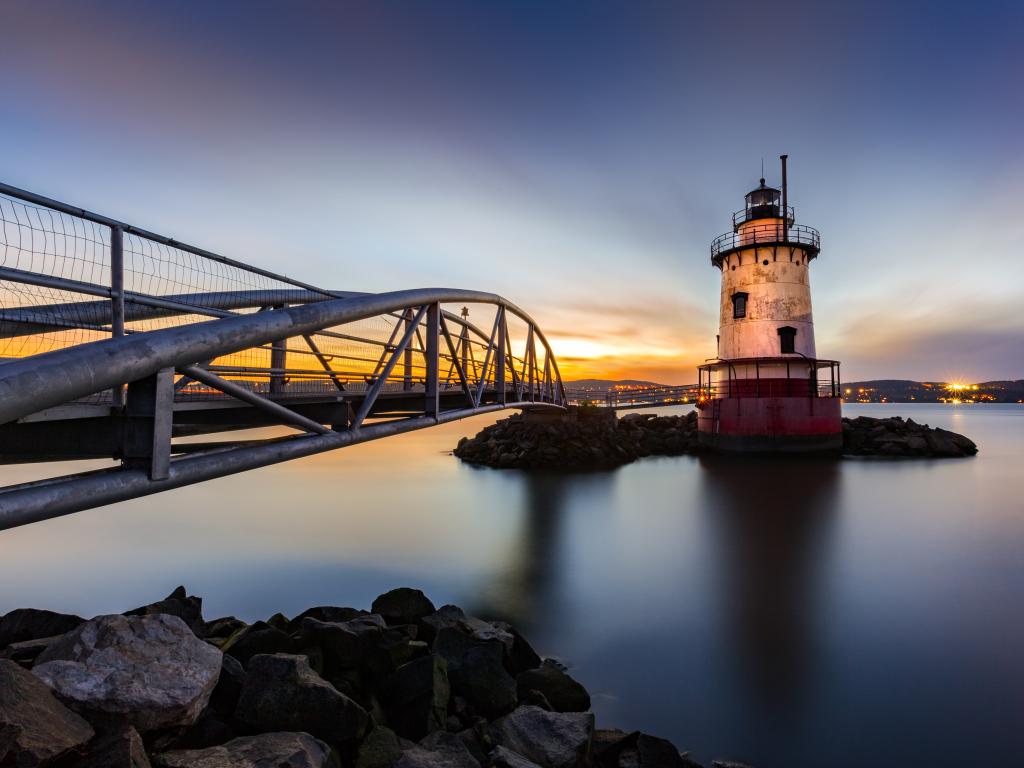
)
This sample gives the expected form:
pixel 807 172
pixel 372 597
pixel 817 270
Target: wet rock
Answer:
pixel 380 749
pixel 147 671
pixel 439 750
pixel 256 639
pixel 402 606
pixel 563 692
pixel 24 624
pixel 550 739
pixel 268 750
pixel 417 696
pixel 121 748
pixel 187 608
pixel 35 728
pixel 282 693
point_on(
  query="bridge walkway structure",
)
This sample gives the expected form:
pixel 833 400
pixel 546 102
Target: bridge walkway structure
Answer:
pixel 120 344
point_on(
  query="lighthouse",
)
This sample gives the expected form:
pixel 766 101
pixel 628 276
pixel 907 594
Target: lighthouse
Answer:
pixel 766 390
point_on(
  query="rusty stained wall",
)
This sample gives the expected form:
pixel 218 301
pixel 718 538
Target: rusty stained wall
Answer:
pixel 779 293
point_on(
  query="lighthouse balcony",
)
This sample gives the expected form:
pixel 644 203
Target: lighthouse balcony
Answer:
pixel 768 377
pixel 765 235
pixel 768 211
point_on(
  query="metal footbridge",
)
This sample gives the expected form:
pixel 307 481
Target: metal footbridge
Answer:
pixel 120 344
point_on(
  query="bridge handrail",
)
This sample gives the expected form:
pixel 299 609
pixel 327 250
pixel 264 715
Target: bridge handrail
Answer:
pixel 28 385
pixel 33 230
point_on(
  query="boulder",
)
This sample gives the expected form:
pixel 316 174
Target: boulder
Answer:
pixel 521 655
pixel 326 613
pixel 24 624
pixel 210 730
pixel 477 672
pixel 345 647
pixel 188 608
pixel 255 639
pixel 640 750
pixel 440 750
pixel 225 694
pixel 27 651
pixel 380 749
pixel 402 606
pixel 282 693
pixel 221 628
pixel 35 728
pixel 120 748
pixel 416 697
pixel 506 758
pixel 267 750
pixel 148 671
pixel 550 739
pixel 563 692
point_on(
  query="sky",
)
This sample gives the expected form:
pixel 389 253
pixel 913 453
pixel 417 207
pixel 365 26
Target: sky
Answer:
pixel 576 158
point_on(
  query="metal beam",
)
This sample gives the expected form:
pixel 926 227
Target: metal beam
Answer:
pixel 286 415
pixel 378 384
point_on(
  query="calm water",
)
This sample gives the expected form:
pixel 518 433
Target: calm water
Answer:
pixel 788 613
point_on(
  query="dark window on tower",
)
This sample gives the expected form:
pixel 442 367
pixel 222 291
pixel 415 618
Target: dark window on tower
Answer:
pixel 739 305
pixel 787 338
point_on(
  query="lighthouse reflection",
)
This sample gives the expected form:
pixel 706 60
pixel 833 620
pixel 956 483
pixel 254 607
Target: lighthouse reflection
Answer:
pixel 770 518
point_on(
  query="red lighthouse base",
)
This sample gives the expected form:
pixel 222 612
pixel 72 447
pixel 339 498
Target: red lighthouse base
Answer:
pixel 771 424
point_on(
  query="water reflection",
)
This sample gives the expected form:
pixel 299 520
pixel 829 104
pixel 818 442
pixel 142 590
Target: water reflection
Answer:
pixel 770 522
pixel 527 586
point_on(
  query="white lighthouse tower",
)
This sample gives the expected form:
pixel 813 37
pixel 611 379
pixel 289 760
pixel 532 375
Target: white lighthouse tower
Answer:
pixel 766 390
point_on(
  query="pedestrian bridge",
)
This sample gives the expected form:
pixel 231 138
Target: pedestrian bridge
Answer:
pixel 121 344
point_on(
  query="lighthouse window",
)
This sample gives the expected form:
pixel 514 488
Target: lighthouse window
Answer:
pixel 739 305
pixel 787 339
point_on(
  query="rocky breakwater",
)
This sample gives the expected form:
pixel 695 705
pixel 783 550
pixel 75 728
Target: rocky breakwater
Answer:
pixel 897 437
pixel 403 685
pixel 584 438
pixel 590 438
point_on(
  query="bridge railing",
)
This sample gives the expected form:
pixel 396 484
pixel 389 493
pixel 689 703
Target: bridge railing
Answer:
pixel 70 276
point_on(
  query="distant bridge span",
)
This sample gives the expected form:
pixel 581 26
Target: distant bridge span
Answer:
pixel 117 343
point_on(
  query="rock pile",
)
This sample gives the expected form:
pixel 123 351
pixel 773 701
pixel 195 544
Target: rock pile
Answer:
pixel 586 438
pixel 589 438
pixel 895 437
pixel 404 685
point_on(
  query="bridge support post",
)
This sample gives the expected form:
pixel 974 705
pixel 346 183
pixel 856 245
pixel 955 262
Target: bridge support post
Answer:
pixel 149 418
pixel 407 356
pixel 278 362
pixel 117 300
pixel 432 351
pixel 499 358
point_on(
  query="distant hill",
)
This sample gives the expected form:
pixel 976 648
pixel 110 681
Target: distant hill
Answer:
pixel 906 391
pixel 874 391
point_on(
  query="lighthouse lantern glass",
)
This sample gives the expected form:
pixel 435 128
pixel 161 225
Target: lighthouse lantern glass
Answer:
pixel 763 202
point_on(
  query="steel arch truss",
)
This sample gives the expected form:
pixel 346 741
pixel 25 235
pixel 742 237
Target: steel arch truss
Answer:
pixel 116 343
